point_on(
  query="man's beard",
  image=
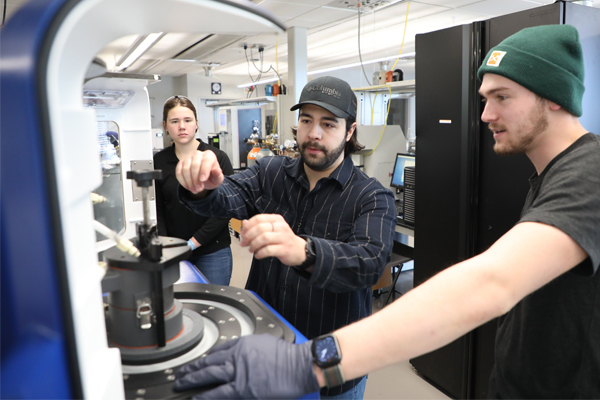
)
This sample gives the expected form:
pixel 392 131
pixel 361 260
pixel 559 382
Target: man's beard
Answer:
pixel 328 159
pixel 537 122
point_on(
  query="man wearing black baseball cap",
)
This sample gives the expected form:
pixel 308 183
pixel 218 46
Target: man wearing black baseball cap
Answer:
pixel 320 229
pixel 541 278
pixel 327 95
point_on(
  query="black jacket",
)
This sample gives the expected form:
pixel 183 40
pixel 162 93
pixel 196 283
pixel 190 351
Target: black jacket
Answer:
pixel 174 219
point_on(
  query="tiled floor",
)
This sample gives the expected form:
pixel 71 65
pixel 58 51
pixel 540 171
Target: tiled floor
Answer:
pixel 398 381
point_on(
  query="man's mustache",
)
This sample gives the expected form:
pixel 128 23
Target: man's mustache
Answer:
pixel 314 145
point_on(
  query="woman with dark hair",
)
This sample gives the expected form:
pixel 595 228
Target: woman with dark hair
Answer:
pixel 208 238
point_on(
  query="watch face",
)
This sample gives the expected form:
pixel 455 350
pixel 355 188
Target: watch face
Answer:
pixel 325 351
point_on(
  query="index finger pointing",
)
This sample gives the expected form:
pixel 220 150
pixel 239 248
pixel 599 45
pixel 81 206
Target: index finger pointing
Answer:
pixel 182 174
pixel 209 166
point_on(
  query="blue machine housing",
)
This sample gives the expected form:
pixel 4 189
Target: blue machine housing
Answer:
pixel 38 357
pixel 39 351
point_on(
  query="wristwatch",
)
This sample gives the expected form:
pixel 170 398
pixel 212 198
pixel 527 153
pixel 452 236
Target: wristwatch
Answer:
pixel 327 355
pixel 311 256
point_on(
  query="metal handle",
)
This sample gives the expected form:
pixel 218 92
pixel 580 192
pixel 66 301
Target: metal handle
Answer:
pixel 144 314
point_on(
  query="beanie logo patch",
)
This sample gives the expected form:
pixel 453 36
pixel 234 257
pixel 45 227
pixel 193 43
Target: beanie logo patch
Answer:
pixel 495 58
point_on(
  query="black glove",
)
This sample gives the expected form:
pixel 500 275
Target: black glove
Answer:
pixel 252 367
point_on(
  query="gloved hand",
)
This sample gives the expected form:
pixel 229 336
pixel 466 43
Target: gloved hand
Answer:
pixel 252 367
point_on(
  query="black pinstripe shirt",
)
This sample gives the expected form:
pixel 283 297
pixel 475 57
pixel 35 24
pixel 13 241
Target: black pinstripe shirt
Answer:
pixel 349 216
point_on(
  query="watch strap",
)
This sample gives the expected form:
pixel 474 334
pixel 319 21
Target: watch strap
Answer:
pixel 333 376
pixel 311 257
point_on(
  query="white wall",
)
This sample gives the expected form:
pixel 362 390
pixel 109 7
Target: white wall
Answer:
pixel 159 93
pixel 198 89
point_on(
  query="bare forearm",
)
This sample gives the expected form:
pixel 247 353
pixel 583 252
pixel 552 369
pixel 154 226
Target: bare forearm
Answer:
pixel 422 320
pixel 459 299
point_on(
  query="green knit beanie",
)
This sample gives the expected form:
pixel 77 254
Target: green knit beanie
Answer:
pixel 547 60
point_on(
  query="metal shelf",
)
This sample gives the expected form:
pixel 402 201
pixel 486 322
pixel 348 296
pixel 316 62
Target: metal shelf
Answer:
pixel 395 87
pixel 253 100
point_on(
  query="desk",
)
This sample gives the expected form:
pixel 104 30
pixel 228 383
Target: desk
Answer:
pixel 386 278
pixel 405 235
pixel 401 252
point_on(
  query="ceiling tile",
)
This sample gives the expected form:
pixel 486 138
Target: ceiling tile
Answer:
pixel 449 3
pixel 327 14
pixel 315 3
pixel 389 21
pixel 303 23
pixel 285 11
pixel 496 7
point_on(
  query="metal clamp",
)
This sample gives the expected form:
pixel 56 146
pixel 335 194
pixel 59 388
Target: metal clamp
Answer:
pixel 144 314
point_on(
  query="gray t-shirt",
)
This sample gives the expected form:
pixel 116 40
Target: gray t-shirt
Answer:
pixel 548 345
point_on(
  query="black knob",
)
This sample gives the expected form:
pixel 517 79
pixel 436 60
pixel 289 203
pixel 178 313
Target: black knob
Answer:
pixel 144 177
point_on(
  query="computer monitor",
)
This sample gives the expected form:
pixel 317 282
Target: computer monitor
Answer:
pixel 402 161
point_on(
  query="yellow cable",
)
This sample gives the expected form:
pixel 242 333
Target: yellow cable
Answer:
pixel 384 123
pixel 373 107
pixel 389 88
pixel 403 36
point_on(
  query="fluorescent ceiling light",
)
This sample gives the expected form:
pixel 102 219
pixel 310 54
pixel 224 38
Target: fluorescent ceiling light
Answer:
pixel 141 45
pixel 320 71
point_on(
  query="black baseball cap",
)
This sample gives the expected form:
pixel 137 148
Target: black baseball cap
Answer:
pixel 332 94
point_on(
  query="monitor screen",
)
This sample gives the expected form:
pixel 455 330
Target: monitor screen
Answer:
pixel 402 161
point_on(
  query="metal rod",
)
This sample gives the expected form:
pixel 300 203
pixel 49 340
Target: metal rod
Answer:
pixel 146 205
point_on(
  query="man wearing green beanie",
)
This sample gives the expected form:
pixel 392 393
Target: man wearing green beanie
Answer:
pixel 548 345
pixel 541 278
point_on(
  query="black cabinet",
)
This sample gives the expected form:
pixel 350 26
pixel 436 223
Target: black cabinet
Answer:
pixel 468 196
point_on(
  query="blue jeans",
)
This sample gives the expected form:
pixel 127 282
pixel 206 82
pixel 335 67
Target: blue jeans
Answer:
pixel 216 267
pixel 356 393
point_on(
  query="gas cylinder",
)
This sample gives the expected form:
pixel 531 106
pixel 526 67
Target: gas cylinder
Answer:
pixel 264 151
pixel 389 76
pixel 251 159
